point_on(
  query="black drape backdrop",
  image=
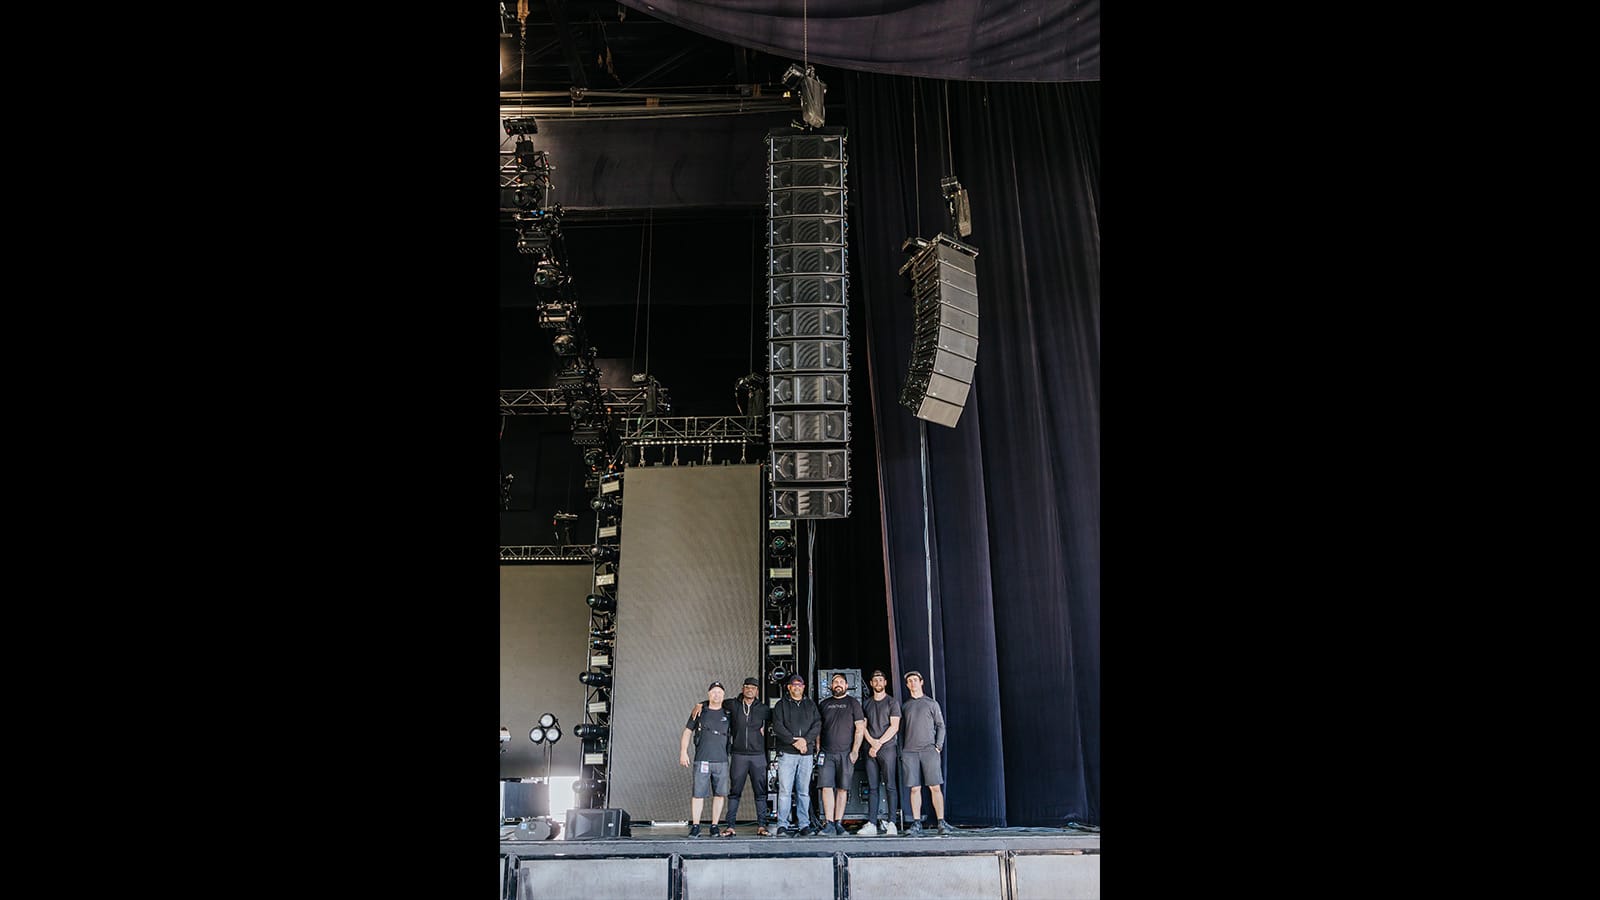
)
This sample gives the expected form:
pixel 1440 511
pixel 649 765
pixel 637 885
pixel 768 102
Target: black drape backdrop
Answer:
pixel 1007 628
pixel 989 40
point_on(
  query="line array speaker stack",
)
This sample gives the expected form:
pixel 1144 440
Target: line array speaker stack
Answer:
pixel 944 350
pixel 808 333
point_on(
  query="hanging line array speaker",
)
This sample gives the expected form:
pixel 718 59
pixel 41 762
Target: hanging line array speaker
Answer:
pixel 944 346
pixel 808 328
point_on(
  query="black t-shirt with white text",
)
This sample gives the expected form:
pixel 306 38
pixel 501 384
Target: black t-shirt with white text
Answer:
pixel 839 718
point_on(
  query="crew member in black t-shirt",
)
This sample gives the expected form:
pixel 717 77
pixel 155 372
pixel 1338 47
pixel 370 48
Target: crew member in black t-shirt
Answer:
pixel 712 733
pixel 843 726
pixel 750 714
pixel 883 754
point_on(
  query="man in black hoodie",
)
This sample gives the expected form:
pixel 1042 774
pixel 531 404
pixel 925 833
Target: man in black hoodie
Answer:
pixel 797 724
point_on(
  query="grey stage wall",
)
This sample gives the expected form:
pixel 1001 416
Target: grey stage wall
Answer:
pixel 688 612
pixel 544 645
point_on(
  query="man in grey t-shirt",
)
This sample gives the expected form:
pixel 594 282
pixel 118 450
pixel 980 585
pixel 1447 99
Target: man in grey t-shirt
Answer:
pixel 923 726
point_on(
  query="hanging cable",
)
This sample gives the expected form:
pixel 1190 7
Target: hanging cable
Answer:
pixel 811 607
pixel 805 36
pixel 649 289
pixel 950 153
pixel 752 366
pixel 916 176
pixel 927 548
pixel 638 295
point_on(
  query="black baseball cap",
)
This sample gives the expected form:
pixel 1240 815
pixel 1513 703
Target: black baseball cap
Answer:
pixel 751 681
pixel 796 680
pixel 916 673
pixel 877 673
pixel 714 684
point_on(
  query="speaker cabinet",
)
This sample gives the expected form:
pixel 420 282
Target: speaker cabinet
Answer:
pixel 597 824
pixel 944 349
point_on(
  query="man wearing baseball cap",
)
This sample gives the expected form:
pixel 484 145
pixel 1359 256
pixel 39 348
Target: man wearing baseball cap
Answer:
pixel 712 732
pixel 797 724
pixel 923 726
pixel 749 719
pixel 883 754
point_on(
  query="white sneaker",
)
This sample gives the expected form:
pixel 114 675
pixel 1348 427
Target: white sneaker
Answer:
pixel 888 829
pixel 868 829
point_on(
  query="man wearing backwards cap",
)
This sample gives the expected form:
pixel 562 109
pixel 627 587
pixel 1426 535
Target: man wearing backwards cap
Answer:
pixel 883 753
pixel 749 718
pixel 797 724
pixel 713 735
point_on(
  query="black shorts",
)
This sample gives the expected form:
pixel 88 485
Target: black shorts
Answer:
pixel 836 771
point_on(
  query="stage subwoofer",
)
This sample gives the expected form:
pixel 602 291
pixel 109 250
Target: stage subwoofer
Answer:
pixel 596 824
pixel 944 348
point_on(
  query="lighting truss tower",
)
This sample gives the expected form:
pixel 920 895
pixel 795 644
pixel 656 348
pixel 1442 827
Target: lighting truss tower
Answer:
pixel 808 335
pixel 594 783
pixel 539 236
pixel 780 620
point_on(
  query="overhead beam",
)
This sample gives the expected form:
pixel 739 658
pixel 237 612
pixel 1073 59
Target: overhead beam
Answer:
pixel 569 42
pixel 666 65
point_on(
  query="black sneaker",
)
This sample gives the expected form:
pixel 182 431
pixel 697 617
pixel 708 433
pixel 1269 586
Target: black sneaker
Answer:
pixel 807 831
pixel 694 831
pixel 946 827
pixel 914 829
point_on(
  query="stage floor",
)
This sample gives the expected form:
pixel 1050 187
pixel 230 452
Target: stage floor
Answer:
pixel 673 837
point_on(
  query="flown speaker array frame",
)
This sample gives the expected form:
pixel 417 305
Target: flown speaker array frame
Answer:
pixel 808 329
pixel 594 783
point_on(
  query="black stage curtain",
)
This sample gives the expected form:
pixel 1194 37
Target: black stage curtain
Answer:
pixel 979 40
pixel 1007 628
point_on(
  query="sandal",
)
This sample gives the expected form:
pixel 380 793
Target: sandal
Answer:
pixel 727 832
pixel 762 831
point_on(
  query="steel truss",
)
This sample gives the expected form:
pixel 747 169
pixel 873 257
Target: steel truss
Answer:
pixel 545 553
pixel 692 430
pixel 551 401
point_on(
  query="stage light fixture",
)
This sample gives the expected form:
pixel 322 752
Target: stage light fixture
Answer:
pixel 536 734
pixel 521 125
pixel 602 603
pixel 782 544
pixel 546 720
pixel 588 732
pixel 778 675
pixel 552 734
pixel 595 679
pixel 780 593
pixel 603 552
pixel 605 503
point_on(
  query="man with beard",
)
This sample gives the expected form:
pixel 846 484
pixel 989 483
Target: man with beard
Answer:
pixel 749 721
pixel 796 723
pixel 924 738
pixel 883 754
pixel 843 726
